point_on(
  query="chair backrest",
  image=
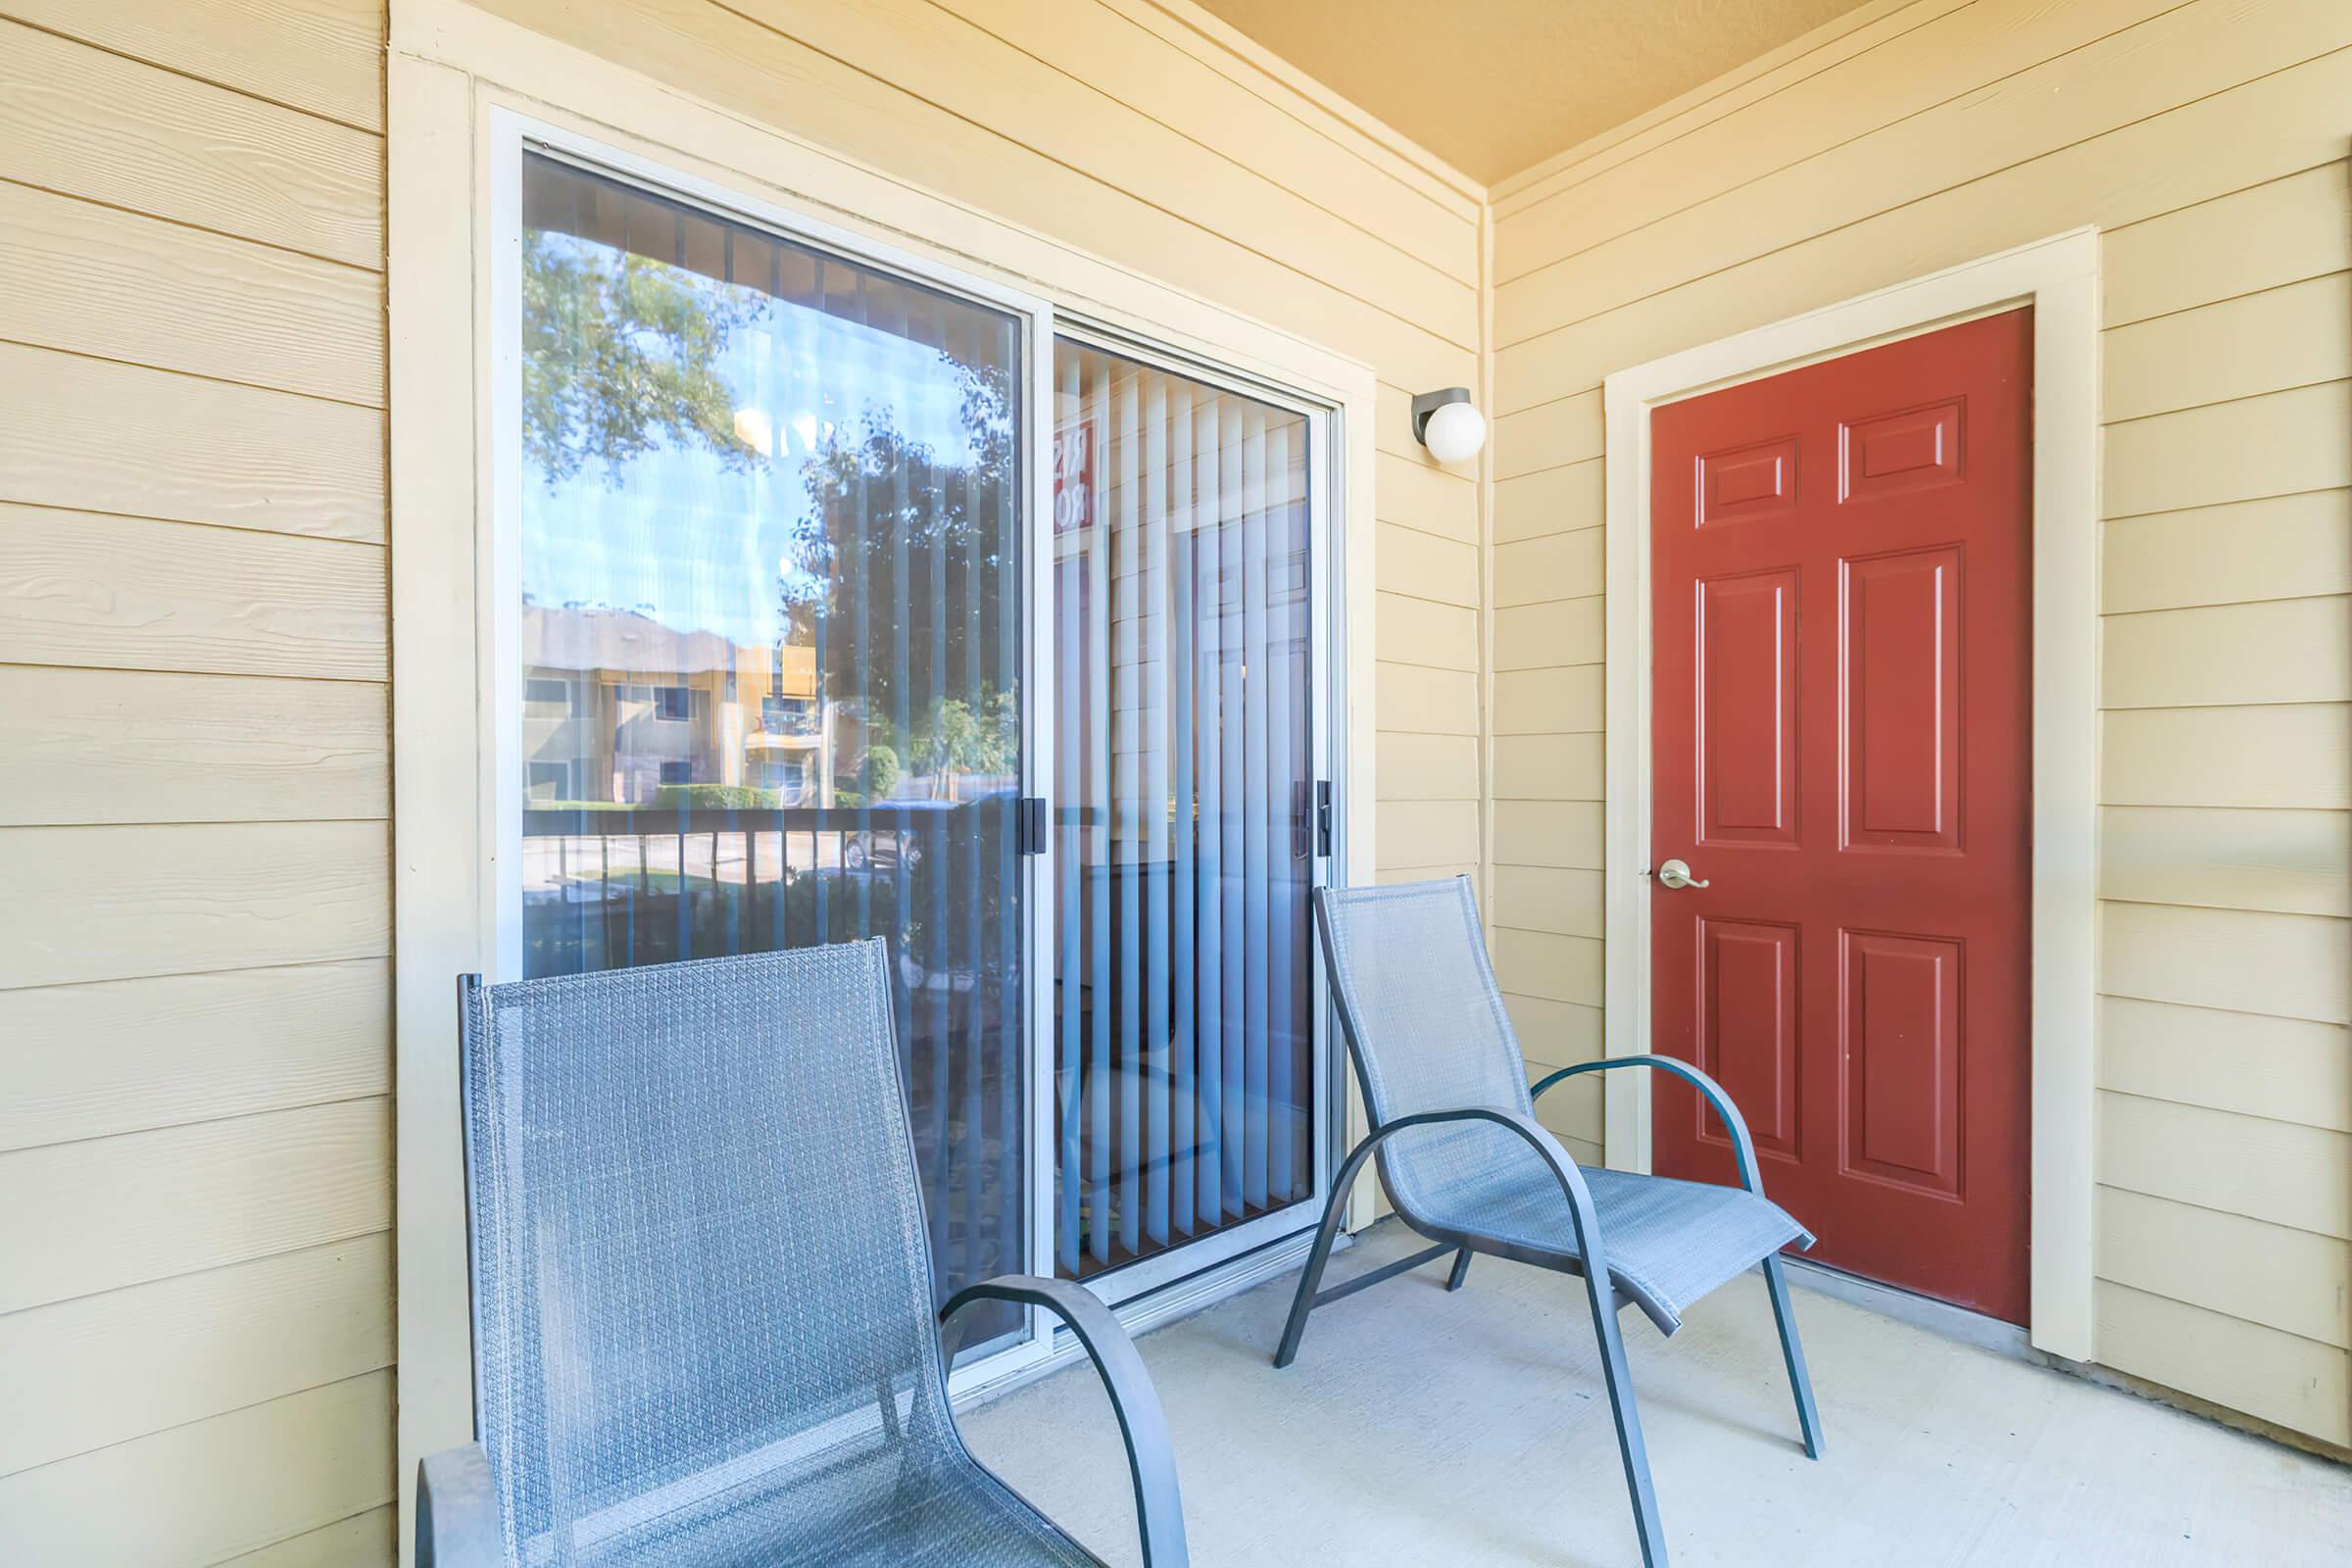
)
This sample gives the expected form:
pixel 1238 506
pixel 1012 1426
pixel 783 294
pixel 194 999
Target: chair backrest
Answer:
pixel 700 1262
pixel 1425 1025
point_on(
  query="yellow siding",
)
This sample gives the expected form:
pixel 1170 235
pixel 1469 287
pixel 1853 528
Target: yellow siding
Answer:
pixel 2207 141
pixel 195 1177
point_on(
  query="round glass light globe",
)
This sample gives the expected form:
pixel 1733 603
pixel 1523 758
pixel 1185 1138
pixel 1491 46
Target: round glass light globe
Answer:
pixel 1454 433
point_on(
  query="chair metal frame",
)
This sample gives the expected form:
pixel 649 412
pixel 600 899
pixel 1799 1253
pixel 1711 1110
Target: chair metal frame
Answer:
pixel 1600 1288
pixel 1150 1457
pixel 458 1522
pixel 457 1510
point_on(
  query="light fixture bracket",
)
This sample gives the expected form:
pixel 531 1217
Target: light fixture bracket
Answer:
pixel 1429 403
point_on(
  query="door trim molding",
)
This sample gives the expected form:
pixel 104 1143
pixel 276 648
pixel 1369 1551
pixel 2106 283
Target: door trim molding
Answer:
pixel 2059 278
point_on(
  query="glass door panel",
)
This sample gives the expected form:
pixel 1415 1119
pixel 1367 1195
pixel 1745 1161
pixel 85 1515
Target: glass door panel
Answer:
pixel 770 630
pixel 1183 1027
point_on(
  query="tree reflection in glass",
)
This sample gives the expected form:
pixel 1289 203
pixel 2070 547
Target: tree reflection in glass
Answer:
pixel 770 628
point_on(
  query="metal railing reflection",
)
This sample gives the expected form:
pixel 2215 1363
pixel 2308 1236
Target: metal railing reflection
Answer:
pixel 626 885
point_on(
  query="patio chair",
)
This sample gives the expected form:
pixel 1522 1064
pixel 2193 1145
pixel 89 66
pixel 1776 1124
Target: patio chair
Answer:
pixel 1467 1164
pixel 703 1306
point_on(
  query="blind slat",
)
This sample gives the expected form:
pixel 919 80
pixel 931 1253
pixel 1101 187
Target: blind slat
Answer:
pixel 1210 984
pixel 1096 742
pixel 1177 655
pixel 1255 678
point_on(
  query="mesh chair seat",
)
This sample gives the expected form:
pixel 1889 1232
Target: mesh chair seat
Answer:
pixel 954 1514
pixel 965 1517
pixel 1669 1242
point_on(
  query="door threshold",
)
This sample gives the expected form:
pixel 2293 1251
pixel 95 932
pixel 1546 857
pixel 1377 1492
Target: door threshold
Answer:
pixel 1940 1318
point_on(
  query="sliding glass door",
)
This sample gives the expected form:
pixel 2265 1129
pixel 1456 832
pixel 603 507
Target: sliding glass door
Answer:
pixel 767 679
pixel 1188 1093
pixel 802 632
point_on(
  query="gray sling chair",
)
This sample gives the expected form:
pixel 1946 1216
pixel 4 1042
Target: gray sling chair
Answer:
pixel 703 1307
pixel 1467 1165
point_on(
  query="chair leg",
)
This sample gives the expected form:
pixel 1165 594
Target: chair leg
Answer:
pixel 1461 1270
pixel 1808 1419
pixel 1311 1276
pixel 1630 1447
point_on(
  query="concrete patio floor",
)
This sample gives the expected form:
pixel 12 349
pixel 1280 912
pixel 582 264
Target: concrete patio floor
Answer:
pixel 1418 1427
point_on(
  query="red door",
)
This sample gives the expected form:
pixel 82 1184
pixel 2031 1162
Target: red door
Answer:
pixel 1841 701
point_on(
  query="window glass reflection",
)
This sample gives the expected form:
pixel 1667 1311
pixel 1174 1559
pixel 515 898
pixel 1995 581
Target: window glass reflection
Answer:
pixel 771 515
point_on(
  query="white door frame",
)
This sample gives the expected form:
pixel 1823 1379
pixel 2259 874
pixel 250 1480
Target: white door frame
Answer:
pixel 2059 278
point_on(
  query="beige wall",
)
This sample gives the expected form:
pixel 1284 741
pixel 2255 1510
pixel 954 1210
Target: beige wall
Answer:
pixel 2207 141
pixel 195 1183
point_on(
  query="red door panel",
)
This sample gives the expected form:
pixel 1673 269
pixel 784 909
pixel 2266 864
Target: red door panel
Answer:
pixel 1899 1027
pixel 1842 725
pixel 1746 718
pixel 1898 696
pixel 1747 979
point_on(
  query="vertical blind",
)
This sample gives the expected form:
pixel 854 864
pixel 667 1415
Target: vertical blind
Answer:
pixel 772 521
pixel 1182 990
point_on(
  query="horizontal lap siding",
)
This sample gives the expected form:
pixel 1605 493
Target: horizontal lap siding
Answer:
pixel 2207 142
pixel 195 1169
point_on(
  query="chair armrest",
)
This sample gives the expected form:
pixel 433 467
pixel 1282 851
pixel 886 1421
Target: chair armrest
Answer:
pixel 456 1511
pixel 1150 1460
pixel 1743 1147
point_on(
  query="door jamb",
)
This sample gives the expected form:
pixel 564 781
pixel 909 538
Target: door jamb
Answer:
pixel 2059 278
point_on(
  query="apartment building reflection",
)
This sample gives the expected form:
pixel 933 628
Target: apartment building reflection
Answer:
pixel 617 706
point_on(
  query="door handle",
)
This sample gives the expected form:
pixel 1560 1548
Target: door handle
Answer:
pixel 1676 874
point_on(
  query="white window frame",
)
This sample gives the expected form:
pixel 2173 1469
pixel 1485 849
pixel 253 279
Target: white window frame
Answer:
pixel 2059 278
